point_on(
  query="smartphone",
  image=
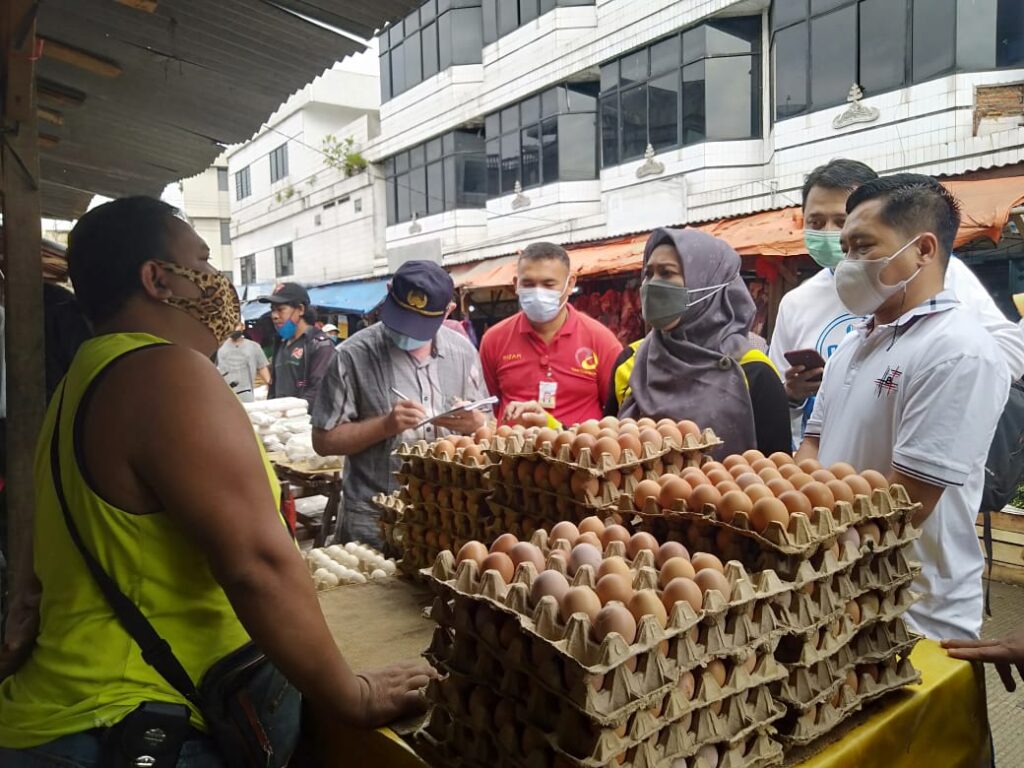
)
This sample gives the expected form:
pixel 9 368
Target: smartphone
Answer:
pixel 808 358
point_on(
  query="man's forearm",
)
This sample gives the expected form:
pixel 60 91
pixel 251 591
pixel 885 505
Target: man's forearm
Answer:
pixel 351 438
pixel 294 635
pixel 808 449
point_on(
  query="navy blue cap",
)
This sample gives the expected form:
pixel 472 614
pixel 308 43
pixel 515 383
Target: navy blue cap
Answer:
pixel 292 294
pixel 417 300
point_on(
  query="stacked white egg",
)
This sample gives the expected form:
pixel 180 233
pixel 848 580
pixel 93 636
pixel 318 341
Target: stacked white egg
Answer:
pixel 352 564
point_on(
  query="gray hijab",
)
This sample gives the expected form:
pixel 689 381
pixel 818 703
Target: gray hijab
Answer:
pixel 693 372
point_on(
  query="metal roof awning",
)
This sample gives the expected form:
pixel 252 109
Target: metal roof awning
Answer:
pixel 353 298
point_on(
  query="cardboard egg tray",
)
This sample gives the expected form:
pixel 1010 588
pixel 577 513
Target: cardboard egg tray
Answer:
pixel 524 522
pixel 540 717
pixel 456 470
pixel 804 725
pixel 806 535
pixel 689 454
pixel 658 656
pixel 424 493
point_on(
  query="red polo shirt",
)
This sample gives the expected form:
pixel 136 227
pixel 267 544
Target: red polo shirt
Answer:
pixel 578 362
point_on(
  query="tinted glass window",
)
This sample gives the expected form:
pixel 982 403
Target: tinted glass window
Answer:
pixel 490 20
pixel 430 57
pixel 493 167
pixel 385 77
pixel 883 44
pixel 510 118
pixel 609 76
pixel 1010 34
pixel 398 69
pixel 508 17
pixel 413 62
pixel 527 11
pixel 975 41
pixel 663 96
pixel 633 68
pixel 577 156
pixel 404 209
pixel 934 37
pixel 435 188
pixel 418 190
pixel 833 56
pixel 694 44
pixel 693 125
pixel 444 41
pixel 665 55
pixel 509 162
pixel 467 33
pixel 472 176
pixel 531 155
pixel 791 63
pixel 727 37
pixel 821 6
pixel 634 122
pixel 391 187
pixel 530 110
pixel 610 130
pixel 549 149
pixel 433 149
pixel 727 98
pixel 787 11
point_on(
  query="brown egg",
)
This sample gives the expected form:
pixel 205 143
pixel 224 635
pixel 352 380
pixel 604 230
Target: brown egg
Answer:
pixel 646 421
pixel 564 438
pixel 842 470
pixel 702 496
pixel 630 442
pixel 675 489
pixel 800 479
pixel 647 603
pixel 564 530
pixel 875 479
pixel 616 565
pixel 615 618
pixel 694 477
pixel 583 441
pixel 858 485
pixel 614 532
pixel 524 552
pixel 871 670
pixel 733 502
pixel 809 465
pixel 500 562
pixel 819 495
pixel 853 611
pixel 504 543
pixel 687 683
pixel 671 434
pixel 717 476
pixel 584 554
pixel 607 446
pixel 614 586
pixel 727 487
pixel 668 550
pixel 687 427
pixel 679 589
pixel 583 484
pixel 525 472
pixel 716 668
pixel 612 433
pixel 851 534
pixel 549 583
pixel 653 437
pixel 851 680
pixel 788 470
pixel 704 560
pixel 780 459
pixel 752 455
pixel 779 486
pixel 646 489
pixel 591 538
pixel 840 490
pixel 444 449
pixel 504 431
pixel 709 578
pixel 760 464
pixel 674 568
pixel 734 460
pixel 823 476
pixel 796 502
pixel 483 433
pixel 747 479
pixel 580 600
pixel 738 470
pixel 472 550
pixel 541 476
pixel 870 531
pixel 766 511
pixel 770 473
pixel 639 542
pixel 757 492
pixel 591 524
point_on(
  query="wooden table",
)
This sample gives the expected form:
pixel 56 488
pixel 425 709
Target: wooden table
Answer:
pixel 305 482
pixel 941 723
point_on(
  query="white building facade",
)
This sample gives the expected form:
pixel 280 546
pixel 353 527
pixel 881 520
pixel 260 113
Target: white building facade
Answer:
pixel 207 204
pixel 505 122
pixel 304 205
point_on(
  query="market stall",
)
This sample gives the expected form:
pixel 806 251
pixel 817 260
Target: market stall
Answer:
pixel 611 595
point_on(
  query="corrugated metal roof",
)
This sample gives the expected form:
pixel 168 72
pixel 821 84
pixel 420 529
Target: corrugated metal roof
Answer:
pixel 194 76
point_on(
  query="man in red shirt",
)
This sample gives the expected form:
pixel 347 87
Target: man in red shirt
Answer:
pixel 549 358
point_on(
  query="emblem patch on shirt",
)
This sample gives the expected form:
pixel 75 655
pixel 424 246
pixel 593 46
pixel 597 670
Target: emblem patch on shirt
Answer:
pixel 586 358
pixel 297 353
pixel 889 383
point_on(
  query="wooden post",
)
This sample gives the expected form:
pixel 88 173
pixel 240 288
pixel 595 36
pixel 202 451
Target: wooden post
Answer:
pixel 23 279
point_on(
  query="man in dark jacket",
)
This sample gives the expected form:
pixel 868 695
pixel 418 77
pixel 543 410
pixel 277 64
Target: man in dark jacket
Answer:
pixel 302 352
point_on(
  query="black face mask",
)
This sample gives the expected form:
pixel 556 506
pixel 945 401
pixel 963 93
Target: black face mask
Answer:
pixel 236 335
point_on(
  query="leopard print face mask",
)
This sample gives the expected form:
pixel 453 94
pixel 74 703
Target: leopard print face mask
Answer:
pixel 217 308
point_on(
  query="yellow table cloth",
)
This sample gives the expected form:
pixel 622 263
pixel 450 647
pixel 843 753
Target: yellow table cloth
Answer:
pixel 941 723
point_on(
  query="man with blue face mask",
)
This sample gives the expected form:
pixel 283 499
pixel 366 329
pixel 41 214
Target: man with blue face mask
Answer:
pixel 549 361
pixel 812 316
pixel 301 351
pixel 385 382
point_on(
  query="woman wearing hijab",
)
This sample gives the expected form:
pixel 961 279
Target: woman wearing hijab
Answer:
pixel 697 362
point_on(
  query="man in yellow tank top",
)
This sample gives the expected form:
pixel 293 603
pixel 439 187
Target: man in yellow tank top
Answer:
pixel 173 495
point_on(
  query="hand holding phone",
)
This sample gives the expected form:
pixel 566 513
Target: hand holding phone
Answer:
pixel 800 386
pixel 808 359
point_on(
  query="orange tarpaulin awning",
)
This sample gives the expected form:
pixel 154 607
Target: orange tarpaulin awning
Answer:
pixel 985 209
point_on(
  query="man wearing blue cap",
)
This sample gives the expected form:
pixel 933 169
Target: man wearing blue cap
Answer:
pixel 385 381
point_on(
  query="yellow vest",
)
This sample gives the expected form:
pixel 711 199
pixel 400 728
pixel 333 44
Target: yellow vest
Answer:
pixel 625 370
pixel 85 671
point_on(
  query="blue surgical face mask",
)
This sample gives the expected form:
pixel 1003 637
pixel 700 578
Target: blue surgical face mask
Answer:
pixel 287 330
pixel 541 305
pixel 403 342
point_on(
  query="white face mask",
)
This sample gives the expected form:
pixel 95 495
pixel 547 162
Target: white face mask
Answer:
pixel 541 305
pixel 859 283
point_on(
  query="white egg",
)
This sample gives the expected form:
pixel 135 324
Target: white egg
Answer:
pixel 351 546
pixel 390 568
pixel 378 574
pixel 319 573
pixel 334 550
pixel 359 578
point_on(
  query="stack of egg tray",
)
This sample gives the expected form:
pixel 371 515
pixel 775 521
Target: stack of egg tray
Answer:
pixel 520 687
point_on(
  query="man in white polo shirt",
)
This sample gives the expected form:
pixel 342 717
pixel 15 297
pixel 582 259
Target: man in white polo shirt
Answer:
pixel 811 316
pixel 914 391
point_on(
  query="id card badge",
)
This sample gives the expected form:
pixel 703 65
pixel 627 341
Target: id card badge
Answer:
pixel 546 394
